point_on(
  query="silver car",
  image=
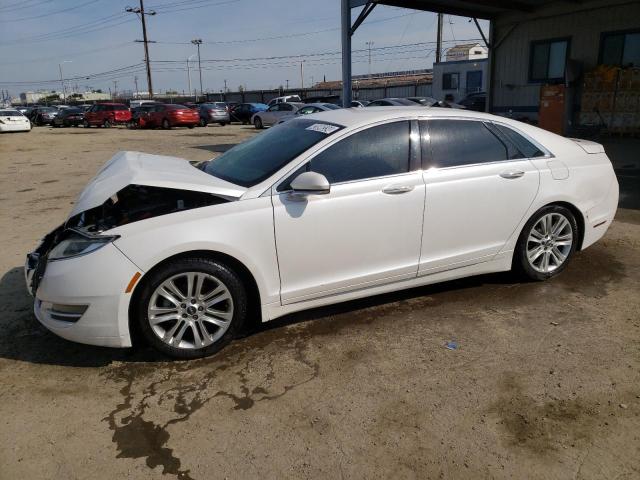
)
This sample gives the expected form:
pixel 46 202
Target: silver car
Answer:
pixel 214 112
pixel 275 113
pixel 310 108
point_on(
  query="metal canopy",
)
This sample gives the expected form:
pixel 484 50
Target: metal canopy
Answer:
pixel 484 9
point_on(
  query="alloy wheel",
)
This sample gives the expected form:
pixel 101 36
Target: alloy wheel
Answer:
pixel 549 242
pixel 190 310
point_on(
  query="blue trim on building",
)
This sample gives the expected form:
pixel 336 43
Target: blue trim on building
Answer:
pixel 455 62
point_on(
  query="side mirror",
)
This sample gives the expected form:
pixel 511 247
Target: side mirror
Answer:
pixel 310 183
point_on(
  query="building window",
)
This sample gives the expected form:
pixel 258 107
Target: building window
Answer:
pixel 450 81
pixel 620 48
pixel 548 60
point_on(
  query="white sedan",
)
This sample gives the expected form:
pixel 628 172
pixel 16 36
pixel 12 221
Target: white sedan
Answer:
pixel 13 121
pixel 322 209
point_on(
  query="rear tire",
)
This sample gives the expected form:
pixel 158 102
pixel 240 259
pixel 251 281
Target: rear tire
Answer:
pixel 107 123
pixel 257 122
pixel 203 122
pixel 205 330
pixel 547 243
pixel 166 125
pixel 86 124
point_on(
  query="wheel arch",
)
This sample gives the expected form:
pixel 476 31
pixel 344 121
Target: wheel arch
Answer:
pixel 569 206
pixel 248 279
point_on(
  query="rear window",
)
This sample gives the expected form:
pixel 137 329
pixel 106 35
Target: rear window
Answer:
pixel 119 107
pixel 10 113
pixel 528 149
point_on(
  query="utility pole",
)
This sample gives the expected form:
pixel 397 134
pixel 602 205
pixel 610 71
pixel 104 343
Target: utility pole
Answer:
pixel 369 45
pixel 439 39
pixel 141 13
pixel 135 80
pixel 287 84
pixel 115 88
pixel 189 72
pixel 64 94
pixel 302 74
pixel 197 42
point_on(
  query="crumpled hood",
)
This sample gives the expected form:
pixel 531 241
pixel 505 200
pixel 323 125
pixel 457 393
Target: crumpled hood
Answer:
pixel 136 168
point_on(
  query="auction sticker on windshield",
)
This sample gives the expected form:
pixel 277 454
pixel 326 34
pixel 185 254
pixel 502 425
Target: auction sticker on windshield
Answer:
pixel 323 128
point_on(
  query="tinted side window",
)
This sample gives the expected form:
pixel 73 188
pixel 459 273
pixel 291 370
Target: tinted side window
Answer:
pixel 461 142
pixel 528 149
pixel 286 107
pixel 374 152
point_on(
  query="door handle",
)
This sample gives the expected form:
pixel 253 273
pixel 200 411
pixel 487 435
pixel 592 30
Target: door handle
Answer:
pixel 512 174
pixel 397 189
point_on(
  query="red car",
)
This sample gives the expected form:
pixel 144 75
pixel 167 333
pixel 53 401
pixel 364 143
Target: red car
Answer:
pixel 170 115
pixel 106 115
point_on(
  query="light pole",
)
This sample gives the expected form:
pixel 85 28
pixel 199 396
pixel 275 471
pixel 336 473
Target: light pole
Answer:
pixel 302 74
pixel 369 45
pixel 197 42
pixel 64 94
pixel 189 72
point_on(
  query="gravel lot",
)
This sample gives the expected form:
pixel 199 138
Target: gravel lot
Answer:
pixel 545 382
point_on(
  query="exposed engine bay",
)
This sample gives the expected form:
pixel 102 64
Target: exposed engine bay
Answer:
pixel 139 202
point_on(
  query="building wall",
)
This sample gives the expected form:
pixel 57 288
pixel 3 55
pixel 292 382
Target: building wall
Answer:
pixel 454 54
pixel 584 22
pixel 461 67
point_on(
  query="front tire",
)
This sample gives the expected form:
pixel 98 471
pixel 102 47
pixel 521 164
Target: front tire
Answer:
pixel 191 307
pixel 547 243
pixel 165 124
pixel 257 122
pixel 86 124
pixel 203 122
pixel 107 124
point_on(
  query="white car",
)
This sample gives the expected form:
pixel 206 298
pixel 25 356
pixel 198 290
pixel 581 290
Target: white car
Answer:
pixel 274 114
pixel 13 121
pixel 325 208
pixel 286 98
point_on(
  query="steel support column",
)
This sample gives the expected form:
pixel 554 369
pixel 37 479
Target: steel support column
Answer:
pixel 346 53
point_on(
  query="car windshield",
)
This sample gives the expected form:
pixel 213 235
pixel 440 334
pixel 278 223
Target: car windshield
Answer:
pixel 71 111
pixel 10 113
pixel 48 109
pixel 255 160
pixel 331 106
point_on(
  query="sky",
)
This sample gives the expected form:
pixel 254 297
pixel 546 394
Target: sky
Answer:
pixel 253 43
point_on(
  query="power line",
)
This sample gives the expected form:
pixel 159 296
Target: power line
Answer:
pixel 22 5
pixel 48 14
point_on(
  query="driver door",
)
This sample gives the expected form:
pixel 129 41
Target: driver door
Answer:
pixel 366 231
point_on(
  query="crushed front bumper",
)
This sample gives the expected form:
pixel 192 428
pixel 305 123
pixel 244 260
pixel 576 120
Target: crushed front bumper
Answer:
pixel 96 282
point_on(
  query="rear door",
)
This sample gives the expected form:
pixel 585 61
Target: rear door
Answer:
pixel 478 189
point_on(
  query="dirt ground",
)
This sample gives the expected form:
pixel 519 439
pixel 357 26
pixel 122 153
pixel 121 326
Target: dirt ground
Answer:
pixel 544 382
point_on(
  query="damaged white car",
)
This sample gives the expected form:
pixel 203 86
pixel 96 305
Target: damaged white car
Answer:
pixel 321 209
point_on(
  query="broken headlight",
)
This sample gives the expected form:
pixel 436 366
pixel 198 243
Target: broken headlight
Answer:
pixel 75 244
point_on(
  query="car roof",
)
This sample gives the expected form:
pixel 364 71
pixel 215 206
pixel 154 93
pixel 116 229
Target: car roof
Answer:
pixel 356 117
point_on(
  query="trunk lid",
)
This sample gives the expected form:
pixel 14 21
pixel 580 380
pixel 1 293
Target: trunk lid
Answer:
pixel 588 146
pixel 136 168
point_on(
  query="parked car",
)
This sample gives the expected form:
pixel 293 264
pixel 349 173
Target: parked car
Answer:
pixel 284 99
pixel 69 117
pixel 12 120
pixel 358 103
pixel 322 209
pixel 475 101
pixel 244 111
pixel 140 114
pixel 310 108
pixel 23 109
pixel 106 115
pixel 214 112
pixel 274 114
pixel 392 102
pixel 424 101
pixel 43 115
pixel 168 115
